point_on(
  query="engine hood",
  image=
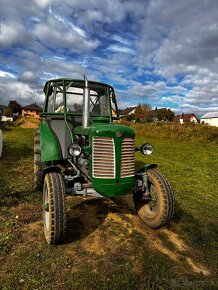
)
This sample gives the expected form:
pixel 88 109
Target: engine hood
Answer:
pixel 106 130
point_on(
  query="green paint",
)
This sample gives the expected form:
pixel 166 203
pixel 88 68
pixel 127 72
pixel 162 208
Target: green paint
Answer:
pixel 50 149
pixel 116 186
pixel 112 188
pixel 145 167
pixel 101 126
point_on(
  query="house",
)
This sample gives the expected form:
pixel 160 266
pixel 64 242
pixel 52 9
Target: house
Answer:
pixel 127 112
pixel 32 110
pixel 4 118
pixel 186 118
pixel 210 118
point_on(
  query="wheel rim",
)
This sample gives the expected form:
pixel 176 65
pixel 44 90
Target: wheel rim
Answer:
pixel 152 207
pixel 46 208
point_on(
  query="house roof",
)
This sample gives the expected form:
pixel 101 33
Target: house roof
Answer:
pixel 185 117
pixel 210 115
pixel 127 111
pixel 33 107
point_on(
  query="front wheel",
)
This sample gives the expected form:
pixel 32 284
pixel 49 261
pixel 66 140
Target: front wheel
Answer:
pixel 156 206
pixel 54 208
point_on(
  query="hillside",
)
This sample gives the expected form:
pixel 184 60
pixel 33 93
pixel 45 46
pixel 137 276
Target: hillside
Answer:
pixel 108 246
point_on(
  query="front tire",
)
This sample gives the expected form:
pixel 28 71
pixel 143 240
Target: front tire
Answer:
pixel 156 209
pixel 54 208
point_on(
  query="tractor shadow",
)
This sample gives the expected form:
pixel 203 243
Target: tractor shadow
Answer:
pixel 86 215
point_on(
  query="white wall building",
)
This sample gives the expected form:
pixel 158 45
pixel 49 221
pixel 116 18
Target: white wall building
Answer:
pixel 210 118
pixel 5 119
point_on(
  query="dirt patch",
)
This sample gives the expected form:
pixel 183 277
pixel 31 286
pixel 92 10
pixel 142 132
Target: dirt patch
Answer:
pixel 94 244
pixel 27 213
pixel 35 227
pixel 29 124
pixel 174 238
pixel 199 268
pixel 150 235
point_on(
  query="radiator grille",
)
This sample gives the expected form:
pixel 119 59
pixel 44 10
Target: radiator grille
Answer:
pixel 103 163
pixel 128 158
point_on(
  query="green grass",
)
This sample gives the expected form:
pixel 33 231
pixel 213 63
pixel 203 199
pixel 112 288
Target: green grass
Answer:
pixel 107 246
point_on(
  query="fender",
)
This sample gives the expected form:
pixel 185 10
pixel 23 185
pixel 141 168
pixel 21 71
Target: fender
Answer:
pixel 49 170
pixel 146 167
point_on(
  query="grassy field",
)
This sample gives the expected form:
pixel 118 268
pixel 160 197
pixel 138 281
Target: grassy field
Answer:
pixel 108 246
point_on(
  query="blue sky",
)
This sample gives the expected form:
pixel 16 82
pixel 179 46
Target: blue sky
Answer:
pixel 159 52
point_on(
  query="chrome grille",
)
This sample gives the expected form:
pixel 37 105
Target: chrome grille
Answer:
pixel 128 158
pixel 103 162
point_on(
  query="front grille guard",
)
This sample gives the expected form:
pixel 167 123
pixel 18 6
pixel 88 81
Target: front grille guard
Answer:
pixel 104 161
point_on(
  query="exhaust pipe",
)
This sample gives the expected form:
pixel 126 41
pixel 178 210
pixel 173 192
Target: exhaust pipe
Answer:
pixel 86 104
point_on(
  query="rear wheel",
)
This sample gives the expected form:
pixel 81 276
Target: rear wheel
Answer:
pixel 54 208
pixel 155 209
pixel 38 168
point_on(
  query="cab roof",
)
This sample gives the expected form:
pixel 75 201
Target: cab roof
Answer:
pixel 78 83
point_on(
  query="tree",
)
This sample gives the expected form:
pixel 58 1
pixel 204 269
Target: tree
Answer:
pixel 145 109
pixel 142 111
pixel 8 112
pixel 138 112
pixel 165 114
pixel 15 107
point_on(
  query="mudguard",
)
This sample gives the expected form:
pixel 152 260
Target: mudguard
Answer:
pixel 146 167
pixel 49 170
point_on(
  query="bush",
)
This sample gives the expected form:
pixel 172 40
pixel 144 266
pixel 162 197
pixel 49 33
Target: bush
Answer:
pixel 189 131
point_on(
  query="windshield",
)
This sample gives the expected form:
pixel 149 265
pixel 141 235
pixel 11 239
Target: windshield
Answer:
pixel 100 98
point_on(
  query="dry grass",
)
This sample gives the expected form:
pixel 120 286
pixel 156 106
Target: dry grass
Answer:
pixel 108 246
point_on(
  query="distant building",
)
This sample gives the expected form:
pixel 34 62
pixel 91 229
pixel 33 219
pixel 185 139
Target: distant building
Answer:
pixel 5 119
pixel 210 118
pixel 32 110
pixel 186 118
pixel 126 112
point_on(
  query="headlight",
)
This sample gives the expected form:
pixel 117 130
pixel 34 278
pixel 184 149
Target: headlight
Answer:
pixel 146 149
pixel 74 149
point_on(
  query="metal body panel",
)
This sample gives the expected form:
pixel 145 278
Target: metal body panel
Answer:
pixel 111 187
pixel 50 148
pixel 109 177
pixel 62 134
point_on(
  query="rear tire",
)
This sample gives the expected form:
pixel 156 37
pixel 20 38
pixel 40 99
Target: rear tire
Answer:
pixel 38 168
pixel 54 208
pixel 157 209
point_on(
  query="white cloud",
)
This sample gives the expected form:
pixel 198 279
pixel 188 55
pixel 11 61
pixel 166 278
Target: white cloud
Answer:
pixel 29 77
pixel 156 51
pixel 67 23
pixel 123 49
pixel 4 74
pixel 55 36
pixel 12 33
pixel 22 93
pixel 121 40
pixel 43 3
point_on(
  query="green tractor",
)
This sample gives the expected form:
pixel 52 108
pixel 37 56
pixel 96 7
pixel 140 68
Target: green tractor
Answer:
pixel 79 150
